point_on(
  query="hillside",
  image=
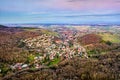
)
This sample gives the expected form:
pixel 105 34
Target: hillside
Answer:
pixel 1 26
pixel 105 68
pixel 114 38
pixel 96 45
pixel 42 54
pixel 90 39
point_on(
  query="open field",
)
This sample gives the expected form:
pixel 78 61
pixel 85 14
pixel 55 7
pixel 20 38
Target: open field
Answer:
pixel 110 37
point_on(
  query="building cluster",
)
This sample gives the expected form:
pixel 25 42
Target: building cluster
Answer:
pixel 53 47
pixel 38 42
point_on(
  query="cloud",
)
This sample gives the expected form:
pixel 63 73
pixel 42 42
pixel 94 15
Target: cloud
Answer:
pixel 76 0
pixel 63 5
pixel 61 10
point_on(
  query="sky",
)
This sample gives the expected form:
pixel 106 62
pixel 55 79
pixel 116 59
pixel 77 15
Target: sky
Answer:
pixel 60 11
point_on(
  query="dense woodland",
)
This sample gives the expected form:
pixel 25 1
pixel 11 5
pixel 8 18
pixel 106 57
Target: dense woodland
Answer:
pixel 106 67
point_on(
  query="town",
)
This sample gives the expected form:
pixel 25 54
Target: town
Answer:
pixel 52 47
pixel 55 48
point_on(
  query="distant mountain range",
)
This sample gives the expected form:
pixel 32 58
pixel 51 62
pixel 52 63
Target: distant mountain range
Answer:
pixel 2 26
pixel 47 25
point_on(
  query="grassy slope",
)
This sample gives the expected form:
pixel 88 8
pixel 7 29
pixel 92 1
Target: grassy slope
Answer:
pixel 42 30
pixel 30 29
pixel 49 32
pixel 110 37
pixel 54 62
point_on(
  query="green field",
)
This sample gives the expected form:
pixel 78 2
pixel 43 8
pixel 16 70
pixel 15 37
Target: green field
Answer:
pixel 54 62
pixel 30 29
pixel 50 33
pixel 114 38
pixel 42 30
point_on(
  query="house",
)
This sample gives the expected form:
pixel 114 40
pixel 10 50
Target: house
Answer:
pixel 37 66
pixel 16 66
pixel 24 65
pixel 57 40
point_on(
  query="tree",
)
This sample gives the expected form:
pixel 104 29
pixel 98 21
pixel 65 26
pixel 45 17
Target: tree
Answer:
pixel 30 58
pixel 108 42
